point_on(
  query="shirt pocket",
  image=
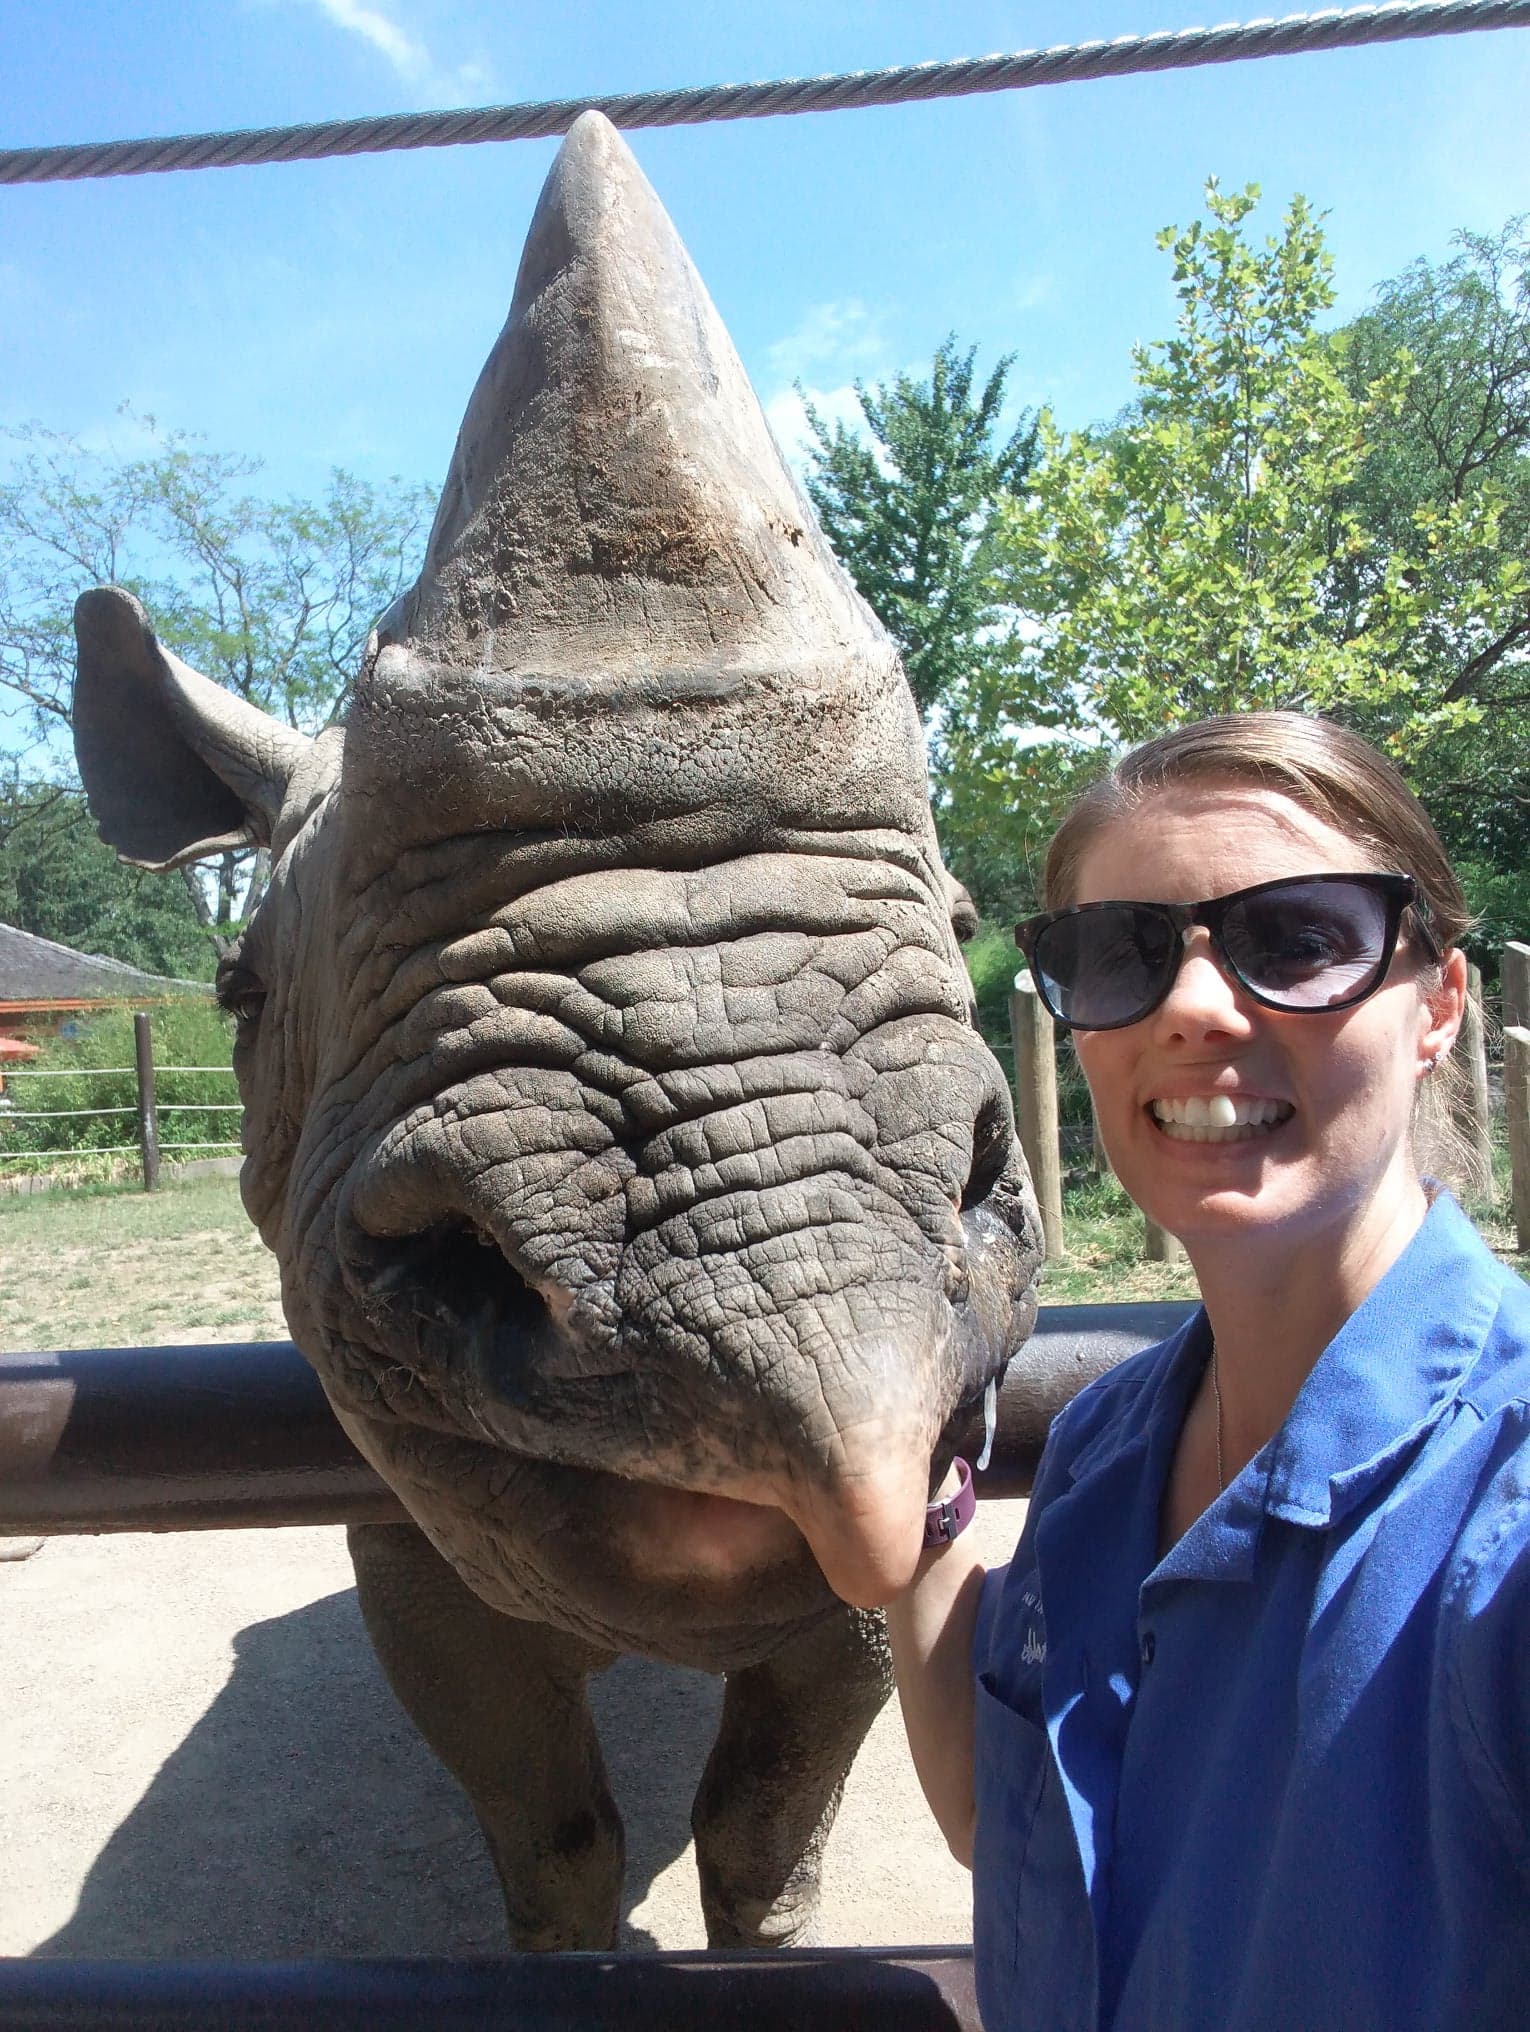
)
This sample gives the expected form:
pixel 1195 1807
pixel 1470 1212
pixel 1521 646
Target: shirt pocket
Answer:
pixel 1010 1764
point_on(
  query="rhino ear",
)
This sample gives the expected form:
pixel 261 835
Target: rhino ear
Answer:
pixel 174 767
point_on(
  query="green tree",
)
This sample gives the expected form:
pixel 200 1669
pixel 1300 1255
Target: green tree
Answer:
pixel 1213 550
pixel 1459 434
pixel 910 509
pixel 1458 451
pixel 1179 564
pixel 271 598
pixel 58 881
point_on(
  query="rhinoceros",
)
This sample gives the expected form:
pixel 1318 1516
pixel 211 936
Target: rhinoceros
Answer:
pixel 644 1195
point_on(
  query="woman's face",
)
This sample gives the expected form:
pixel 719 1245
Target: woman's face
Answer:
pixel 1331 1160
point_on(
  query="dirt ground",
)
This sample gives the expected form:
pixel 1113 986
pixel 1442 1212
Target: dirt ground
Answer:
pixel 202 1759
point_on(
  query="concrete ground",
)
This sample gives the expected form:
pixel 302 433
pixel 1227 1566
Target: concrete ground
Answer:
pixel 201 1758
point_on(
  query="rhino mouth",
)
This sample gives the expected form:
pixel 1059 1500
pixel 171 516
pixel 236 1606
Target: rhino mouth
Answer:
pixel 755 1390
pixel 659 1569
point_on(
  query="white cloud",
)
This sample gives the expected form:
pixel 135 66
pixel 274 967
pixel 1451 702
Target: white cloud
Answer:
pixel 406 54
pixel 787 417
pixel 833 346
pixel 408 57
pixel 843 338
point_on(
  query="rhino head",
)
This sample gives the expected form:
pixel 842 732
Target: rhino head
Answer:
pixel 644 1195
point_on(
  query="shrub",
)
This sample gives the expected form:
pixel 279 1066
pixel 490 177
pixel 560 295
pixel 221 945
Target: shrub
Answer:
pixel 93 1065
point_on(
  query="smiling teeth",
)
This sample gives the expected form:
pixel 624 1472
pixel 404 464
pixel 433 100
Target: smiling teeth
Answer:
pixel 1219 1118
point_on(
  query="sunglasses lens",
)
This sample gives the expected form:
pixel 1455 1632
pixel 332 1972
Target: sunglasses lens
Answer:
pixel 1103 967
pixel 1309 945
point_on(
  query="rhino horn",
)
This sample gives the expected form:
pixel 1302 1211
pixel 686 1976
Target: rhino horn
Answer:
pixel 616 500
pixel 174 767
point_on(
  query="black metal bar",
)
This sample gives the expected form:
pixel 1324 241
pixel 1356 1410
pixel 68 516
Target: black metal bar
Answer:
pixel 240 1433
pixel 838 1990
pixel 1070 1347
pixel 175 1439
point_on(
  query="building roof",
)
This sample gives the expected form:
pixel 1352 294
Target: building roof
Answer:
pixel 35 971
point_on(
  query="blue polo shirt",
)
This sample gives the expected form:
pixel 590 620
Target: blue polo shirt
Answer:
pixel 1279 1780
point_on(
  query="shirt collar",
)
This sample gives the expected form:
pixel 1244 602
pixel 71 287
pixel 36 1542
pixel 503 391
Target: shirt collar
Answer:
pixel 1386 1377
pixel 1126 1467
pixel 1380 1385
pixel 1163 1395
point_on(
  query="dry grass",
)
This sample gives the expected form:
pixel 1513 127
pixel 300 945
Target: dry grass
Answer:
pixel 123 1268
pixel 115 1268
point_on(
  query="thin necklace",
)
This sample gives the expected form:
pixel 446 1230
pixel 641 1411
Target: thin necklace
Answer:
pixel 1216 1391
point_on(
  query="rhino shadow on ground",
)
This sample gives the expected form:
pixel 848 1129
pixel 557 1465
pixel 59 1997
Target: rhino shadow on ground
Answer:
pixel 303 1816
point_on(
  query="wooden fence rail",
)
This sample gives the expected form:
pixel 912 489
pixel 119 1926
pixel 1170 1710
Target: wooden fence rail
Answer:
pixel 1033 1032
pixel 1516 985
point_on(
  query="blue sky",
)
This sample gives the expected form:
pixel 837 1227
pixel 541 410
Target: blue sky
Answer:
pixel 337 313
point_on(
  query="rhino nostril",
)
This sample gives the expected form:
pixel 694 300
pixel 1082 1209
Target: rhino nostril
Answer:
pixel 992 1136
pixel 452 1272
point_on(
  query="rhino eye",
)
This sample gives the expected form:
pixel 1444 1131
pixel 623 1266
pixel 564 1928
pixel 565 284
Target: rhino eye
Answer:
pixel 239 991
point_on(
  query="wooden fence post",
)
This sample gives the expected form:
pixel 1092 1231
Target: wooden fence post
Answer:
pixel 1097 1144
pixel 148 1114
pixel 1158 1245
pixel 1474 1120
pixel 1516 984
pixel 1516 1096
pixel 1030 1028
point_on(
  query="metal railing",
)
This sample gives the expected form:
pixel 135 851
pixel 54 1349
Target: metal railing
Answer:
pixel 241 1434
pixel 891 1989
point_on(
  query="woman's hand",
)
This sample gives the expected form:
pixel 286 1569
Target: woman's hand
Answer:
pixel 931 1626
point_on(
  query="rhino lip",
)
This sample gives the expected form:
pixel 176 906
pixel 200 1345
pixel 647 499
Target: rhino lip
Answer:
pixel 450 1308
pixel 685 1536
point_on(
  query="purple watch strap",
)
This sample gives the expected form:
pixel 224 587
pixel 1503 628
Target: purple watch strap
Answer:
pixel 947 1520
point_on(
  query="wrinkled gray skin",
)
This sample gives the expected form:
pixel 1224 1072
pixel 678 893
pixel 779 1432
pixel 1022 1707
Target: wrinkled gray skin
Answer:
pixel 644 1196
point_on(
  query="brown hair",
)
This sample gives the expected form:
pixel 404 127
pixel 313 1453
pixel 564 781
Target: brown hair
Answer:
pixel 1339 778
pixel 1319 765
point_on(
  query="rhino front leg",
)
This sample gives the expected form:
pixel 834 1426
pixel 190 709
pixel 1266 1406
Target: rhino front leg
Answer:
pixel 767 1800
pixel 502 1703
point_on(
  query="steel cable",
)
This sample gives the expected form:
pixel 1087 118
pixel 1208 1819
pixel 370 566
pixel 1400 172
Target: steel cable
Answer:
pixel 1068 63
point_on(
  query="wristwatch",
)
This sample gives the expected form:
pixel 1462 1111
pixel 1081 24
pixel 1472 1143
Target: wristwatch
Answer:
pixel 949 1517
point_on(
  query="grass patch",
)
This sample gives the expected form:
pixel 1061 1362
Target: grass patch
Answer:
pixel 116 1267
pixel 1103 1263
pixel 104 1214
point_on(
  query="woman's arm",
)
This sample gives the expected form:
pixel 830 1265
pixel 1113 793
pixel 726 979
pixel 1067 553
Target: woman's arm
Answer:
pixel 931 1627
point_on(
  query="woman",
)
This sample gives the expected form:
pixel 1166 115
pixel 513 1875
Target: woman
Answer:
pixel 1252 1735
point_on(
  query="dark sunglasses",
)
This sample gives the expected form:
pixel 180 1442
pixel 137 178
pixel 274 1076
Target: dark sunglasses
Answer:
pixel 1303 943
